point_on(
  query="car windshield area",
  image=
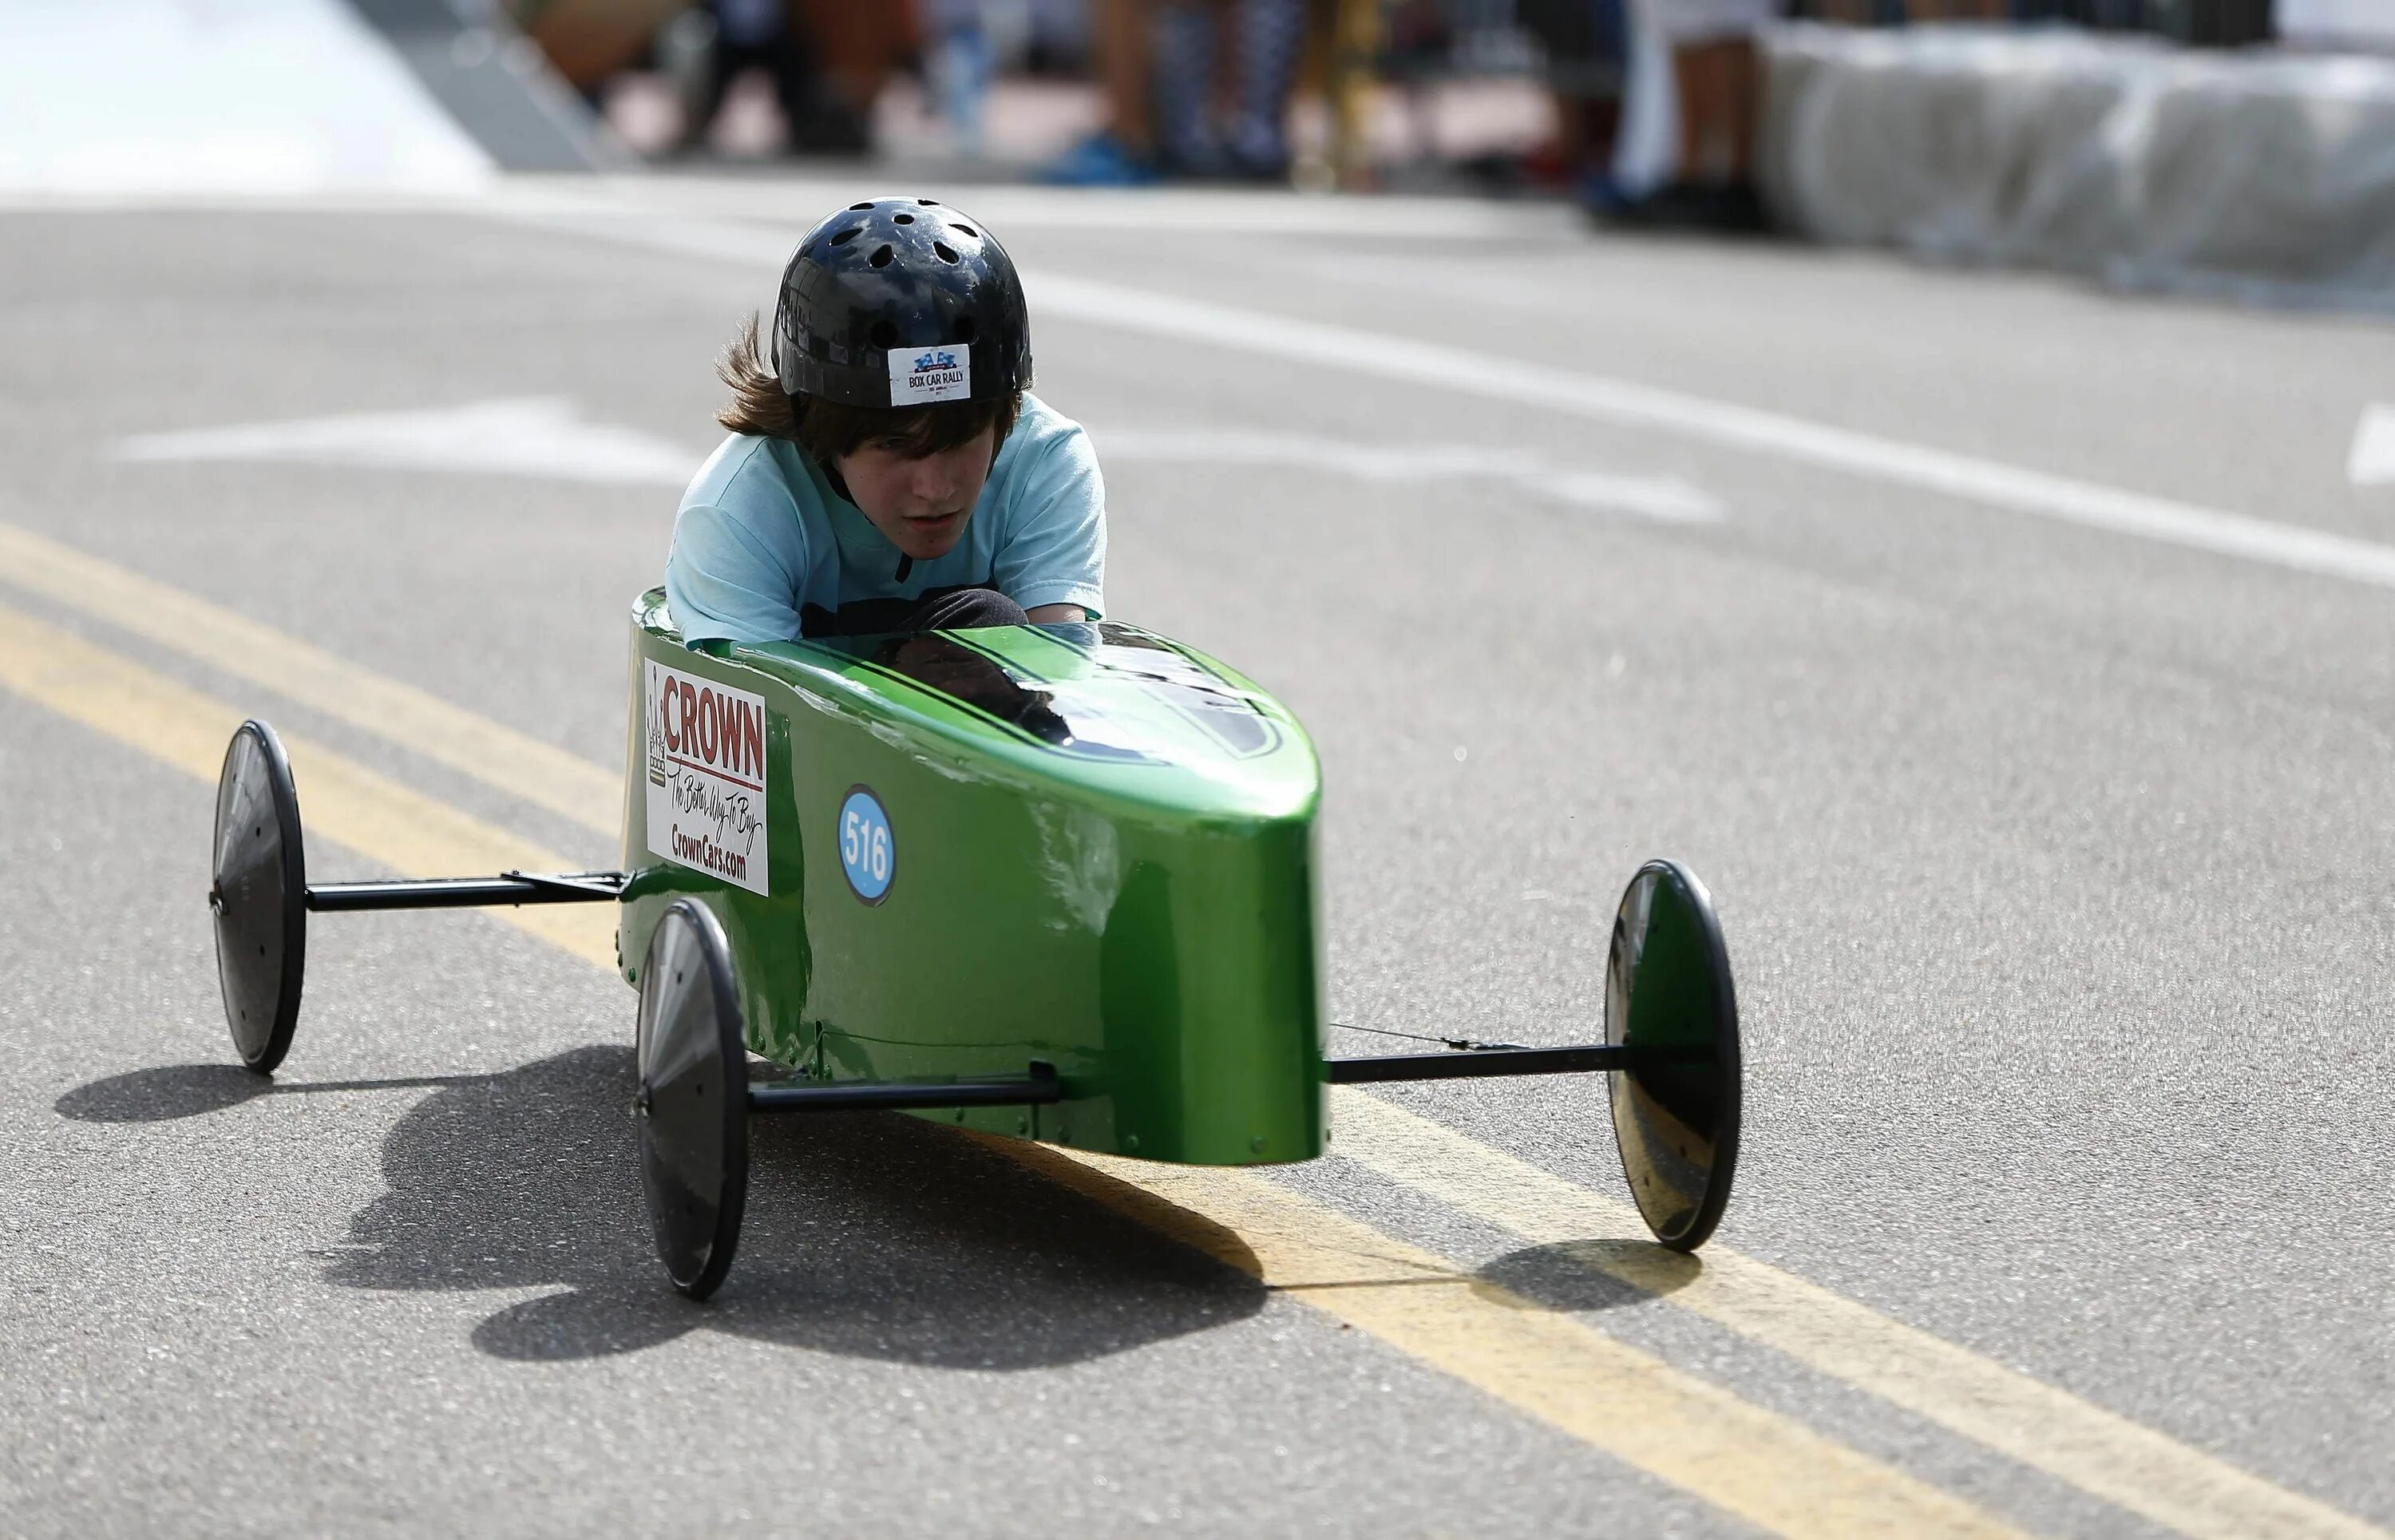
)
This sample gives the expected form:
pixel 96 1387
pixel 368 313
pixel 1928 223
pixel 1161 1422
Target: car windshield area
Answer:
pixel 1099 690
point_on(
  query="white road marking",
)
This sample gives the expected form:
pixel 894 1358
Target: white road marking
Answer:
pixel 2372 462
pixel 535 436
pixel 544 436
pixel 1351 351
pixel 1664 498
pixel 1629 403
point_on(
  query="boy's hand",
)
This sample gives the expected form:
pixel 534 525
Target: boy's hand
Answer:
pixel 1056 614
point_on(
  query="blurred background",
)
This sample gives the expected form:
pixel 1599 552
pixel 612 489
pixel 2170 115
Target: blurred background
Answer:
pixel 2237 144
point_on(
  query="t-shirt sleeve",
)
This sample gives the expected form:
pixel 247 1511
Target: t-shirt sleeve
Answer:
pixel 725 582
pixel 1056 550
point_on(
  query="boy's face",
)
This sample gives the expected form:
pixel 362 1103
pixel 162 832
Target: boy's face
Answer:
pixel 921 504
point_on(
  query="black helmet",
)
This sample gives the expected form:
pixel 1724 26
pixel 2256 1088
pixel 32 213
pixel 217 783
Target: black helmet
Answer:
pixel 901 302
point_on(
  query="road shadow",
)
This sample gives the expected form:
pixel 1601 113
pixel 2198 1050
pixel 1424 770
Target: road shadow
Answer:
pixel 172 1090
pixel 870 1235
pixel 867 1235
pixel 1587 1275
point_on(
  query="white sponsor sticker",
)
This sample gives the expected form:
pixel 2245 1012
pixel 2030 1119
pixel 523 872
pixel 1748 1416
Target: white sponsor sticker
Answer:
pixel 918 375
pixel 706 776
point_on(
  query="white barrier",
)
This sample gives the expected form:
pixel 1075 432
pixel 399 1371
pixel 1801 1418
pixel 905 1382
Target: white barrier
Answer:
pixel 2369 23
pixel 2268 173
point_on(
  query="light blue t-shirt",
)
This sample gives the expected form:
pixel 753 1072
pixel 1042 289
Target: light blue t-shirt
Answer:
pixel 762 535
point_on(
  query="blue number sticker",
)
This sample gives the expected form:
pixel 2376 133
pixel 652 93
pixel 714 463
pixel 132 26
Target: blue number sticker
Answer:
pixel 868 852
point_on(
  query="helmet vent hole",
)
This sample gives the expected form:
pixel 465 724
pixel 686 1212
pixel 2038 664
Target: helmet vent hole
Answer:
pixel 884 334
pixel 965 329
pixel 929 203
pixel 903 218
pixel 946 252
pixel 881 257
pixel 858 208
pixel 968 229
pixel 851 233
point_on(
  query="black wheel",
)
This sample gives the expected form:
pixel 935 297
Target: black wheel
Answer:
pixel 693 1102
pixel 258 896
pixel 1667 985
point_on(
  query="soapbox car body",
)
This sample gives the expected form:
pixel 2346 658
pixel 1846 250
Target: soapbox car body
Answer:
pixel 1054 882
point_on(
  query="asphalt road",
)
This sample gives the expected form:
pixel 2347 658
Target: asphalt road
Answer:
pixel 2056 861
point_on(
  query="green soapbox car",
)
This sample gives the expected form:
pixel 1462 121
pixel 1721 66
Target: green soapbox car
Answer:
pixel 1053 883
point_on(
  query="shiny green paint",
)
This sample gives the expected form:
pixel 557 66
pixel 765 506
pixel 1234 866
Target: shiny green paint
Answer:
pixel 1134 904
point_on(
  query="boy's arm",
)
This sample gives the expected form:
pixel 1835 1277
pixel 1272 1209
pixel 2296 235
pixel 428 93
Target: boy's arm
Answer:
pixel 724 583
pixel 1053 559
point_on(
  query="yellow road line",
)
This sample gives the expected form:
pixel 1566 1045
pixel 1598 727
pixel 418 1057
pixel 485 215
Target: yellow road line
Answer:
pixel 1755 1463
pixel 1769 1470
pixel 2099 1452
pixel 540 773
pixel 380 819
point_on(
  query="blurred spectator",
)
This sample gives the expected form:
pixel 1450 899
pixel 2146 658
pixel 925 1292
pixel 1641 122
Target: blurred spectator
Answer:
pixel 861 45
pixel 960 66
pixel 1223 85
pixel 760 34
pixel 1891 13
pixel 828 60
pixel 1122 152
pixel 750 35
pixel 1717 77
pixel 1587 43
pixel 1192 88
pixel 970 43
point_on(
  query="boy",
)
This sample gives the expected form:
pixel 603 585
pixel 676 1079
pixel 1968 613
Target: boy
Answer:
pixel 888 470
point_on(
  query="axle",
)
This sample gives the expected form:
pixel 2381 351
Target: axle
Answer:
pixel 1477 1063
pixel 507 887
pixel 1040 1088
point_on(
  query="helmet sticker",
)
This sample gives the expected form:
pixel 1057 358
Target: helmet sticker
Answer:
pixel 920 375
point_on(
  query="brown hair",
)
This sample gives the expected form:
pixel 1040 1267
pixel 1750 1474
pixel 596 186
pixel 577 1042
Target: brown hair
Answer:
pixel 828 430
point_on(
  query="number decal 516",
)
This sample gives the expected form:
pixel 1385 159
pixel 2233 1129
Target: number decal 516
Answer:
pixel 868 850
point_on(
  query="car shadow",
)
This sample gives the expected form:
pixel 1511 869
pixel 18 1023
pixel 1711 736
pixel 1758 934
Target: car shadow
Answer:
pixel 871 1235
pixel 1587 1275
pixel 172 1090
